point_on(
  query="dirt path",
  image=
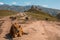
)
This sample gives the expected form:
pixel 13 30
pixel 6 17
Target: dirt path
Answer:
pixel 6 27
pixel 41 30
pixel 38 30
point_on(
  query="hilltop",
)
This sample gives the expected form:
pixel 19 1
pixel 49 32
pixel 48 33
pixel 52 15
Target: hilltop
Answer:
pixel 38 14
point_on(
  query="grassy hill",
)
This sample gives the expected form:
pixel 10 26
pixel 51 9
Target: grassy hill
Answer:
pixel 58 16
pixel 4 13
pixel 39 14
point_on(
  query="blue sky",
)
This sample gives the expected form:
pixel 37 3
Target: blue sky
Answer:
pixel 46 3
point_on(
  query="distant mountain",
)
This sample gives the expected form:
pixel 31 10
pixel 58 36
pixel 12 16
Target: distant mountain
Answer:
pixel 13 8
pixel 25 8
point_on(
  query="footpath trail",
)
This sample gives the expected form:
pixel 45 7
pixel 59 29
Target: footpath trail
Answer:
pixel 5 28
pixel 37 30
pixel 41 30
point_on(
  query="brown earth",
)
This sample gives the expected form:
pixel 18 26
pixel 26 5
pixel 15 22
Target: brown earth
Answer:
pixel 35 30
pixel 41 30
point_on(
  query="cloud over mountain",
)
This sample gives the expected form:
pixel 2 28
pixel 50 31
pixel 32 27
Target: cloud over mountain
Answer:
pixel 1 3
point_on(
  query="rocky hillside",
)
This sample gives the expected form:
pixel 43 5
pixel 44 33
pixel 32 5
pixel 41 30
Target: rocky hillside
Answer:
pixel 34 13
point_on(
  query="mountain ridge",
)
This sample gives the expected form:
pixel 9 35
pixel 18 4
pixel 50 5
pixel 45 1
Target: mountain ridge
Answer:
pixel 51 11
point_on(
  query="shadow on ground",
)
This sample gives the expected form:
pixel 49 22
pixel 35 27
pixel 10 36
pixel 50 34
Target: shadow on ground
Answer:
pixel 8 36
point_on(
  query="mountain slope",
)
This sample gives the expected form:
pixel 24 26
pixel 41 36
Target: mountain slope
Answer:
pixel 58 16
pixel 39 14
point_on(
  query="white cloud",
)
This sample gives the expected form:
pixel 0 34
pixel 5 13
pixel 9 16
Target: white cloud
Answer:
pixel 45 5
pixel 27 3
pixel 14 3
pixel 1 3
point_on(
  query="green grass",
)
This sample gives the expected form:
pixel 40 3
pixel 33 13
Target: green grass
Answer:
pixel 4 13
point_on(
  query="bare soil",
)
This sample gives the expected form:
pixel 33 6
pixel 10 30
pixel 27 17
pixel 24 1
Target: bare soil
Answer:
pixel 35 30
